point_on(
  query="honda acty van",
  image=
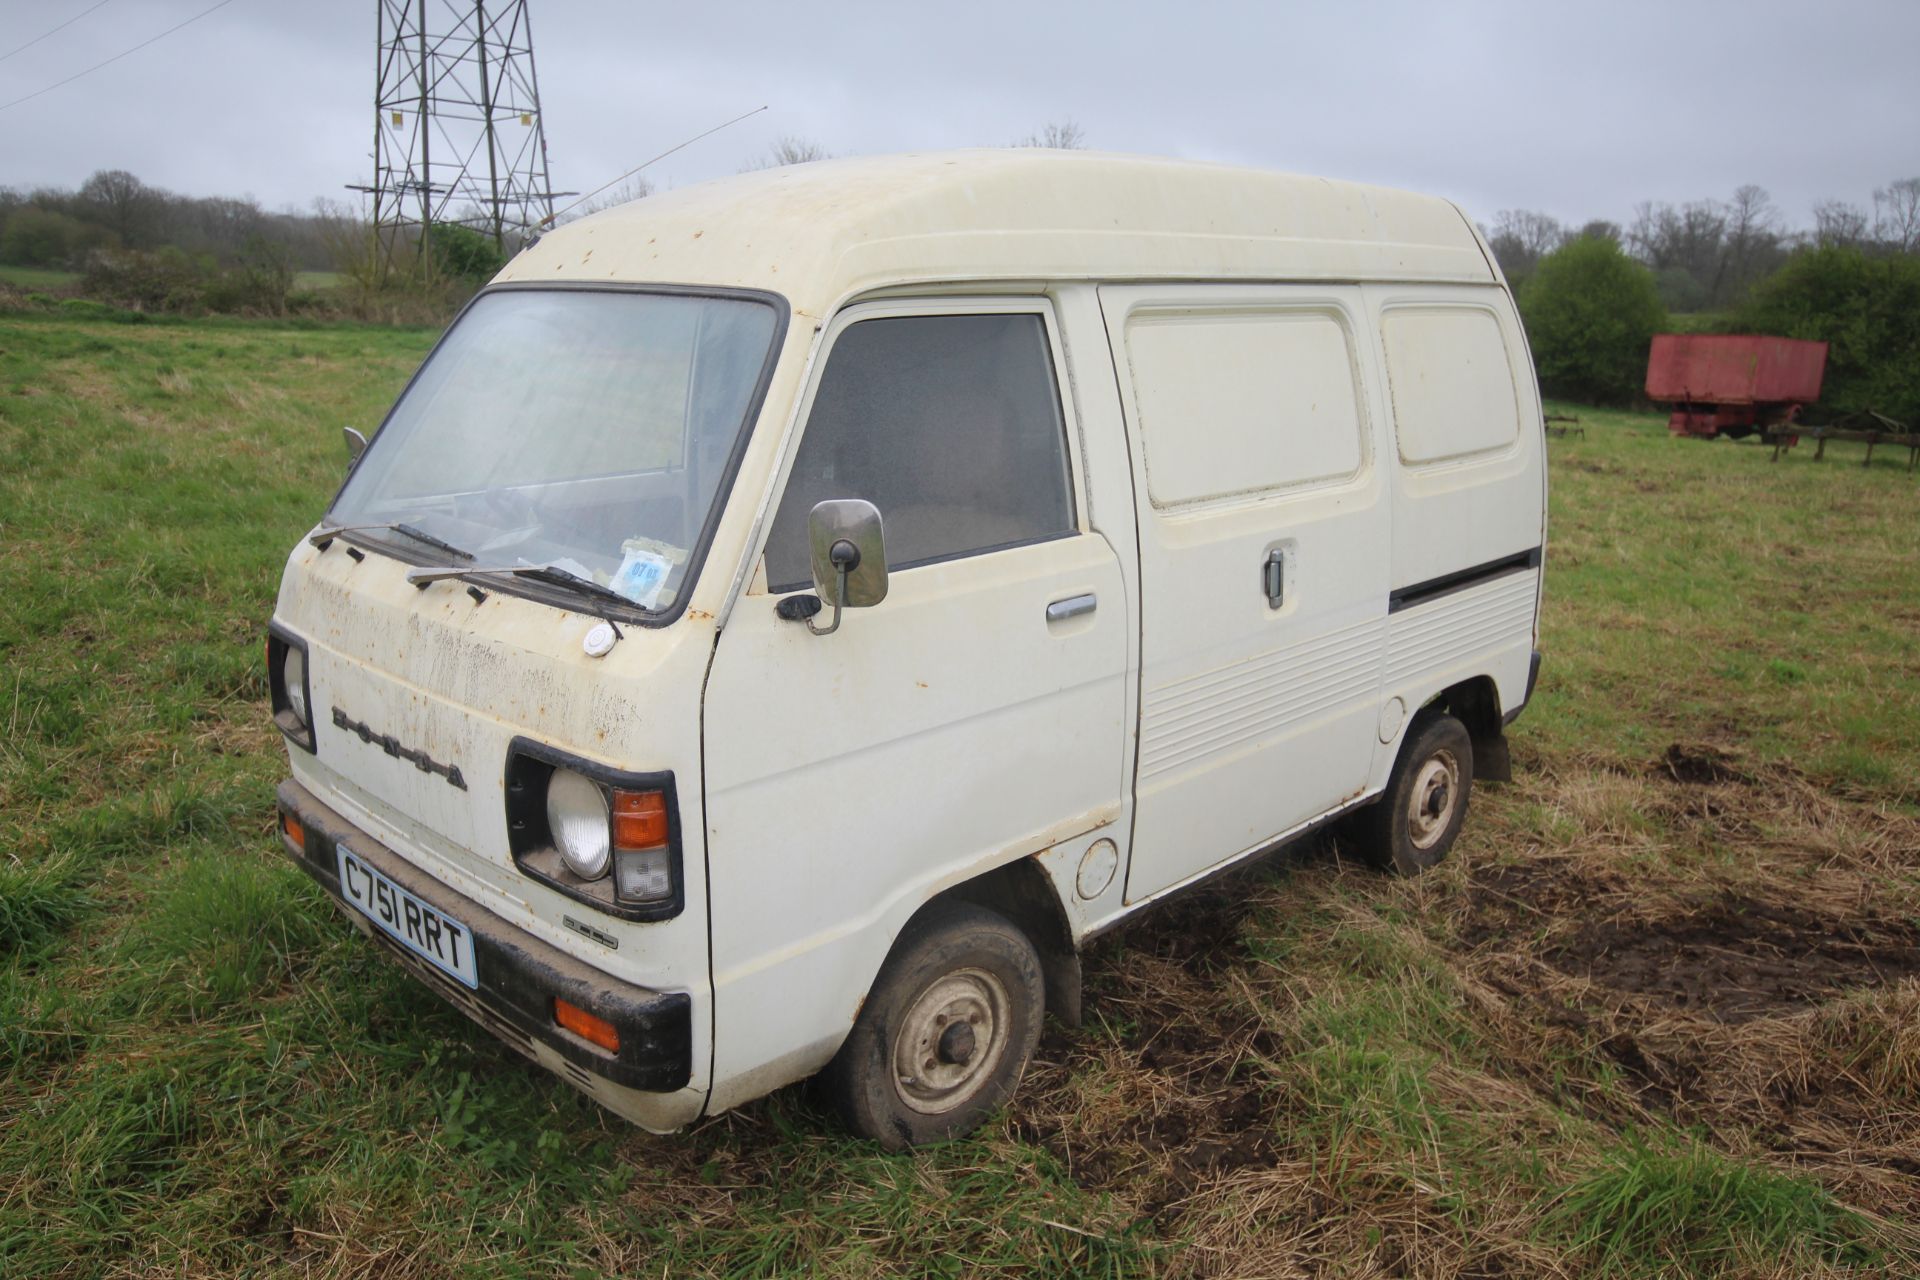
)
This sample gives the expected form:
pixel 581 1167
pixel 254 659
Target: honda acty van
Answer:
pixel 784 619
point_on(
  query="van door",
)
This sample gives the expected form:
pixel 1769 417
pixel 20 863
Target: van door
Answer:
pixel 1264 540
pixel 974 715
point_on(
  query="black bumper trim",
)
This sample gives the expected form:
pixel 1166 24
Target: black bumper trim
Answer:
pixel 519 974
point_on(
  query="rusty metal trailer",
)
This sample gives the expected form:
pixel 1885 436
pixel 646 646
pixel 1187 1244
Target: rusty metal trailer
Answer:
pixel 1733 384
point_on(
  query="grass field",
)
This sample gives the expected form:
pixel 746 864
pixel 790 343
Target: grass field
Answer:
pixel 37 277
pixel 1659 1014
pixel 51 278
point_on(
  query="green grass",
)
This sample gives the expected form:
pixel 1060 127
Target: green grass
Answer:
pixel 203 1070
pixel 38 277
pixel 1709 591
pixel 1680 1205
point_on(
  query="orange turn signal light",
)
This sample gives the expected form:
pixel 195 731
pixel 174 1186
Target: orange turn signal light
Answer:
pixel 639 819
pixel 585 1025
pixel 294 831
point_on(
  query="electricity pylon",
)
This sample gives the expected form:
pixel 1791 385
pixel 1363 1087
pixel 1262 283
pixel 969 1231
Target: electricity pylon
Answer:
pixel 458 136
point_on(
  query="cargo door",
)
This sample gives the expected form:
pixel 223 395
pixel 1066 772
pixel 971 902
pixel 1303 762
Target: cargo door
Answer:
pixel 1264 543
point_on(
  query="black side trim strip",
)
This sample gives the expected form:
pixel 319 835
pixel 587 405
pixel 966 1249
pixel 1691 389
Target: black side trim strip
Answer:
pixel 1448 583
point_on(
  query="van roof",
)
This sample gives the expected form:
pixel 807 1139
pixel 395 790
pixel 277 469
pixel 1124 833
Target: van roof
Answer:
pixel 818 233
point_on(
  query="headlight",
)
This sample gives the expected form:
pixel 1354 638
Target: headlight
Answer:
pixel 577 817
pixel 296 678
pixel 607 837
pixel 287 687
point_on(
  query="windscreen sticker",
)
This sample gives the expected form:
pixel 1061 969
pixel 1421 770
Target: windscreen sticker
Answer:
pixel 641 577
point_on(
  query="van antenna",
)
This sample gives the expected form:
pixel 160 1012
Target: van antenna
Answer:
pixel 549 219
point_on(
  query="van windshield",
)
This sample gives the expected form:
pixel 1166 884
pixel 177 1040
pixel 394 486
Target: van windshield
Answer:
pixel 587 430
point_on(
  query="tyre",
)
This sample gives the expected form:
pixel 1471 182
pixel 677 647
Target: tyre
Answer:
pixel 1414 822
pixel 946 1032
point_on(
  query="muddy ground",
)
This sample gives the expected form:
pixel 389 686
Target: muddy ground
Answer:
pixel 1690 945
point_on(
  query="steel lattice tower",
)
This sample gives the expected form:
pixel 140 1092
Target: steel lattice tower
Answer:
pixel 458 135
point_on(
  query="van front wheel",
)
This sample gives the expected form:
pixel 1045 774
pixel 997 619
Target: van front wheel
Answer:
pixel 946 1032
pixel 1414 822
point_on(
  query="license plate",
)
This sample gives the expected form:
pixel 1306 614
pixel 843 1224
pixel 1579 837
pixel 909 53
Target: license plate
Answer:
pixel 428 932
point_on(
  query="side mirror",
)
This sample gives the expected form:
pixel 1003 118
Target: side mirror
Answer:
pixel 849 553
pixel 356 445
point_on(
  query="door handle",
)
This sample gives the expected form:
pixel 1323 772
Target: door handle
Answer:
pixel 1274 577
pixel 1071 607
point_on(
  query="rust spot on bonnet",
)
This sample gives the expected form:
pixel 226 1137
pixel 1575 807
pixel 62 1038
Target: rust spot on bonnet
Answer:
pixel 698 234
pixel 698 615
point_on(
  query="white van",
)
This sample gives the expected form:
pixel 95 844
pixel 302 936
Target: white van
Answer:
pixel 784 619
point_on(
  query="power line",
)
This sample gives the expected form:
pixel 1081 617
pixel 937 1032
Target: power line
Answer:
pixel 116 57
pixel 637 168
pixel 56 31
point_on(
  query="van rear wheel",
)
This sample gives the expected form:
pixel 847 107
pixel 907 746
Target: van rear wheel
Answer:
pixel 1416 819
pixel 946 1032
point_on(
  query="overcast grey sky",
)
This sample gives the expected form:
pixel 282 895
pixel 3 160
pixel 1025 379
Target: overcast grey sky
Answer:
pixel 1580 110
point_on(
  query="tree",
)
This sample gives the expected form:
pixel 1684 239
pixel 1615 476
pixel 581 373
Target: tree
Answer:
pixel 789 149
pixel 1689 238
pixel 635 188
pixel 1753 246
pixel 1896 215
pixel 1836 222
pixel 125 206
pixel 1591 312
pixel 1061 135
pixel 1866 308
pixel 36 237
pixel 1601 229
pixel 1520 238
pixel 461 253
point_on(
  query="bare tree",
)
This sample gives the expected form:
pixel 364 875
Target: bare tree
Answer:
pixel 1839 223
pixel 1753 245
pixel 1061 135
pixel 1520 238
pixel 1685 246
pixel 790 149
pixel 1600 229
pixel 634 188
pixel 1896 215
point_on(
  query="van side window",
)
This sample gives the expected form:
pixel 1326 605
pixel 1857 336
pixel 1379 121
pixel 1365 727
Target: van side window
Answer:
pixel 950 425
pixel 1453 390
pixel 1234 403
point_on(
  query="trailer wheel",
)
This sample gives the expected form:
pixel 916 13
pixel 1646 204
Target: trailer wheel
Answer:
pixel 1414 822
pixel 946 1032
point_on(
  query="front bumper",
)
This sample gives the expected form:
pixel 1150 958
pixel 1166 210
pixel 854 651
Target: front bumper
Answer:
pixel 519 974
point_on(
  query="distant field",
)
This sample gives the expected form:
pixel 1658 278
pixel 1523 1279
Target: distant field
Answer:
pixel 46 277
pixel 38 277
pixel 1659 1014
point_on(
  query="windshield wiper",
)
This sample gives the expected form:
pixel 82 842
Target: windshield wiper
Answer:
pixel 325 536
pixel 540 572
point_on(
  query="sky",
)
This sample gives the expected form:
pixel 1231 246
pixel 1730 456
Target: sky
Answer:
pixel 1579 110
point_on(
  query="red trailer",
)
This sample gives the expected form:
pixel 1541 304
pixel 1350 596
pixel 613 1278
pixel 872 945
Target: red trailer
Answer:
pixel 1733 383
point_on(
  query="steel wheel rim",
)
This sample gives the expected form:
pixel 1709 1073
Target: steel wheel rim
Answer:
pixel 1435 796
pixel 925 1073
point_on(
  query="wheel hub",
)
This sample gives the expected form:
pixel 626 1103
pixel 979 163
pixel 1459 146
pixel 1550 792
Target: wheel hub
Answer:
pixel 956 1044
pixel 1436 789
pixel 951 1039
